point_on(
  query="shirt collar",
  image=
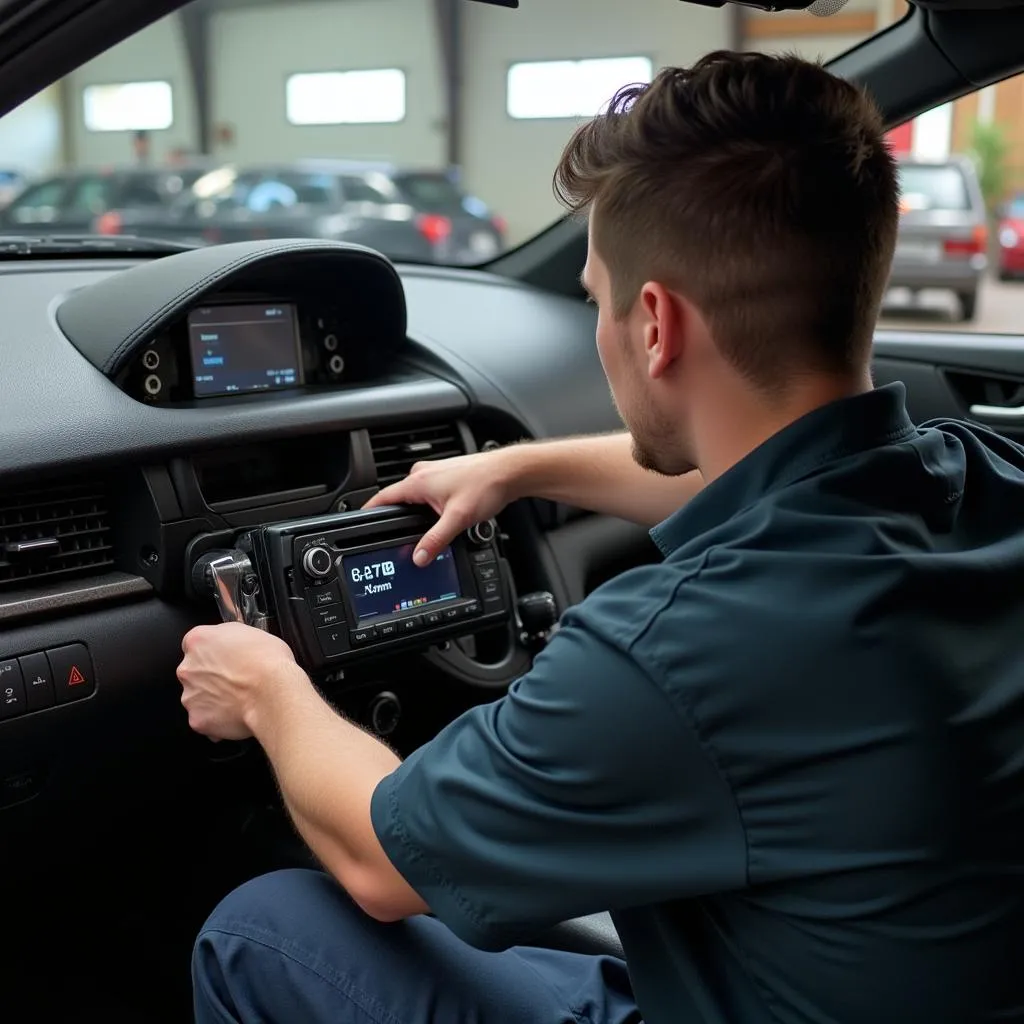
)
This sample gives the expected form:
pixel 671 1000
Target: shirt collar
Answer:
pixel 841 428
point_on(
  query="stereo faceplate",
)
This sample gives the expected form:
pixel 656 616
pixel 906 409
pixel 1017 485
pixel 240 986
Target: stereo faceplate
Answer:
pixel 344 587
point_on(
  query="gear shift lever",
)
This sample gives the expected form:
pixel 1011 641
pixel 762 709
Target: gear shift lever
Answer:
pixel 229 578
pixel 538 614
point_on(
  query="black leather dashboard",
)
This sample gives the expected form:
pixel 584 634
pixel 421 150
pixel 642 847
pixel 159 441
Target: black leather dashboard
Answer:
pixel 475 342
pixel 108 320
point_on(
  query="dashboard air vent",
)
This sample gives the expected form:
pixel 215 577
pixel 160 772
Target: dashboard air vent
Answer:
pixel 395 451
pixel 53 533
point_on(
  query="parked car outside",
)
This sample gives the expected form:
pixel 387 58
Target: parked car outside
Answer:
pixel 943 232
pixel 409 215
pixel 70 203
pixel 12 183
pixel 1011 239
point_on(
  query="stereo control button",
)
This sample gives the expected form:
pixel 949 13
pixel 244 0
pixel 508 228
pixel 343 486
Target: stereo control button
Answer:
pixel 451 614
pixel 328 616
pixel 486 572
pixel 473 608
pixel 482 533
pixel 387 630
pixel 411 625
pixel 318 562
pixel 489 590
pixel 365 635
pixel 38 681
pixel 333 640
pixel 432 619
pixel 12 690
pixel 482 557
pixel 320 597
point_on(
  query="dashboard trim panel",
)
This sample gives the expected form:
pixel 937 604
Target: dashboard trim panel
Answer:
pixel 65 597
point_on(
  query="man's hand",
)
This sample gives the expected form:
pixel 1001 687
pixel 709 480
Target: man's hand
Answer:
pixel 462 491
pixel 240 682
pixel 223 673
pixel 597 473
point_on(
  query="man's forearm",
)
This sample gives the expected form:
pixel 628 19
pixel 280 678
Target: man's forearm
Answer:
pixel 599 473
pixel 327 769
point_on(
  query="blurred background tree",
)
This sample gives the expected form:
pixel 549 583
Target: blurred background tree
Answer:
pixel 990 149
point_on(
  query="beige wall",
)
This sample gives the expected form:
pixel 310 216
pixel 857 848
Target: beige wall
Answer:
pixel 510 163
pixel 156 53
pixel 257 49
pixel 31 135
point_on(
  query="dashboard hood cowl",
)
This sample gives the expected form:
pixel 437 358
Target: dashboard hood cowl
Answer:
pixel 108 321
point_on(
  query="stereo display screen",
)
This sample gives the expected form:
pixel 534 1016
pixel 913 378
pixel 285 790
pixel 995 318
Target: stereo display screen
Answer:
pixel 242 349
pixel 387 582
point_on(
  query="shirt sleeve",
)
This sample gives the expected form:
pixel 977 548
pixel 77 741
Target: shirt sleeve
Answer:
pixel 582 790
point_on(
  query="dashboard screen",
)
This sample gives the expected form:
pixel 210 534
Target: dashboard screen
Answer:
pixel 387 581
pixel 237 349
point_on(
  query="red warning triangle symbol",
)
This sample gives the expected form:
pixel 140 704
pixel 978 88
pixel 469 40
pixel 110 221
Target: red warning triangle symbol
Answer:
pixel 75 678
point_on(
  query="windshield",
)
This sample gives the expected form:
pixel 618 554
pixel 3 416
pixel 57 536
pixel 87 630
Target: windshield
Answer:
pixel 369 120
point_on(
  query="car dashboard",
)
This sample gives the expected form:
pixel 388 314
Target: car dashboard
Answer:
pixel 194 436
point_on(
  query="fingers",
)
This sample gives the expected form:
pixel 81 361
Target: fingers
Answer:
pixel 420 487
pixel 452 522
pixel 190 638
pixel 392 495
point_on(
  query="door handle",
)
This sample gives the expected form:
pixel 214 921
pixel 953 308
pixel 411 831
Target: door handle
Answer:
pixel 1001 413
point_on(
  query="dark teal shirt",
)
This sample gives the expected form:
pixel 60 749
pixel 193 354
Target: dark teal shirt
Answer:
pixel 789 759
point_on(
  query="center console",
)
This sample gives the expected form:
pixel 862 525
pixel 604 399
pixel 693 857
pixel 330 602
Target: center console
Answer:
pixel 342 588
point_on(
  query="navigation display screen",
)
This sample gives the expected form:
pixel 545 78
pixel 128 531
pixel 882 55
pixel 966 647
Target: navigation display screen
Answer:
pixel 386 581
pixel 239 349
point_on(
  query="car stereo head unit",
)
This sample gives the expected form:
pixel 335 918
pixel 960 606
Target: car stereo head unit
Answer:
pixel 342 587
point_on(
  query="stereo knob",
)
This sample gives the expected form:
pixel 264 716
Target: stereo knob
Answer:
pixel 482 533
pixel 385 713
pixel 317 562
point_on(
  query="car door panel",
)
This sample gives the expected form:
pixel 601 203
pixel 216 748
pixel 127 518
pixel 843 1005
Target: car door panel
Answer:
pixel 963 376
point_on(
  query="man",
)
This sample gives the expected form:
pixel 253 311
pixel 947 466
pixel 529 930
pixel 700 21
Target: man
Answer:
pixel 788 758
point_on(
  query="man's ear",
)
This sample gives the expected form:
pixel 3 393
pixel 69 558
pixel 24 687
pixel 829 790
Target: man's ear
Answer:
pixel 664 322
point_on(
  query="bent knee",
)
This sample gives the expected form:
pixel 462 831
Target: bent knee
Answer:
pixel 287 901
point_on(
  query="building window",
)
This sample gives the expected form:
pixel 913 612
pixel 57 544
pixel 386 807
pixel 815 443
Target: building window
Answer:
pixel 128 107
pixel 346 97
pixel 570 88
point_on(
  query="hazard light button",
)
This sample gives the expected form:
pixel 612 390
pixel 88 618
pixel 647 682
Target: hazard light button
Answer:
pixel 72 672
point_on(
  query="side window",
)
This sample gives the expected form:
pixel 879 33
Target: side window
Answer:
pixel 270 194
pixel 92 196
pixel 38 204
pixel 959 263
pixel 140 193
pixel 359 190
pixel 313 189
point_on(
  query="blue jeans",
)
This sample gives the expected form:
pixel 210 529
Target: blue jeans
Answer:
pixel 291 948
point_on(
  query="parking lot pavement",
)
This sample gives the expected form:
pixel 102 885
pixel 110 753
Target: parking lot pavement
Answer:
pixel 1000 310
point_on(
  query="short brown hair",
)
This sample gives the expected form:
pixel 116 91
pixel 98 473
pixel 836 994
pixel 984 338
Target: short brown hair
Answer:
pixel 763 189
